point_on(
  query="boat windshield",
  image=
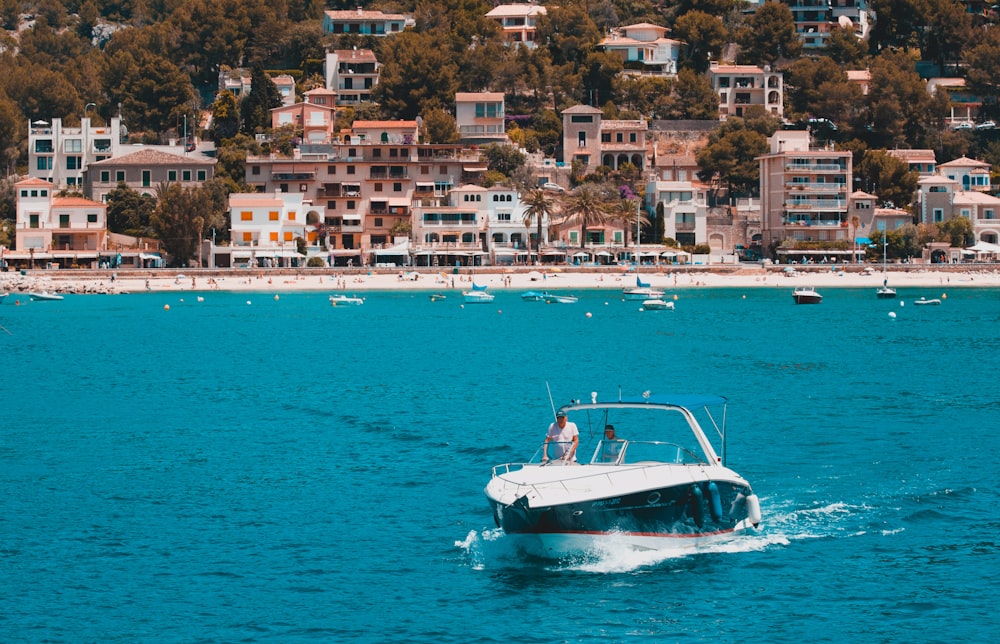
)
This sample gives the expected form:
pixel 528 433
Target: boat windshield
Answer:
pixel 627 452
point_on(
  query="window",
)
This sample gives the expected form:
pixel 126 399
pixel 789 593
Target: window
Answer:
pixel 578 118
pixel 171 175
pixel 377 153
pixel 619 137
pixel 33 221
pixel 146 178
pixel 605 137
pixel 246 215
pixel 350 205
pixel 425 169
pixel 988 213
pixel 74 163
pixel 74 145
pixel 938 214
pixel 44 146
pixel 331 169
pixel 397 187
pixel 581 140
pixel 303 187
pixel 273 236
pixel 631 137
pixel 350 169
pixel 288 236
pixel 291 215
pixel 272 215
pixel 91 217
pixel 185 175
pixel 248 237
pixel 255 170
pixel 44 163
pixel 64 221
pixel 201 175
pixel 378 222
pixel 378 187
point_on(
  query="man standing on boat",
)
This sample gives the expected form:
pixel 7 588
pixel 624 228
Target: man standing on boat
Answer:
pixel 565 438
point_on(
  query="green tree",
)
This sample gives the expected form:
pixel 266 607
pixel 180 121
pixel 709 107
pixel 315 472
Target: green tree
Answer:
pixel 417 75
pixel 439 127
pixel 900 111
pixel 769 35
pixel 225 117
pixel 705 35
pixel 568 32
pixel 255 110
pixel 539 205
pixel 691 97
pixel 505 159
pixel 843 47
pixel 730 156
pixel 888 177
pixel 983 73
pixel 948 30
pixel 959 231
pixel 588 207
pixel 207 33
pixel 128 211
pixel 628 213
pixel 154 94
pixel 179 221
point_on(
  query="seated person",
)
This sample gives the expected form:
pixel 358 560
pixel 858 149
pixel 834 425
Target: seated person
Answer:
pixel 611 446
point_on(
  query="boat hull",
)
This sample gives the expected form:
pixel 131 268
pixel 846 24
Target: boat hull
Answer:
pixel 885 293
pixel 642 293
pixel 652 518
pixel 807 296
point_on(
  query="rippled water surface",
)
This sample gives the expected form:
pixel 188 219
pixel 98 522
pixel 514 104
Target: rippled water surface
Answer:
pixel 252 468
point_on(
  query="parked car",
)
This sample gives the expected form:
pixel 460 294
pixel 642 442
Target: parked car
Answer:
pixel 548 185
pixel 986 125
pixel 962 125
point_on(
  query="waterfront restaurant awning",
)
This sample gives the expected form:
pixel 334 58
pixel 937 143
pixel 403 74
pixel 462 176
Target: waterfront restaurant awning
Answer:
pixel 510 252
pixel 862 241
pixel 398 249
pixel 340 252
pixel 553 251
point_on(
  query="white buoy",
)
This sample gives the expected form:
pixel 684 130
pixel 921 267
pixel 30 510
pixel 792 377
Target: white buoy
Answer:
pixel 275 297
pixel 248 302
pixel 892 314
pixel 589 314
pixel 166 307
pixel 902 303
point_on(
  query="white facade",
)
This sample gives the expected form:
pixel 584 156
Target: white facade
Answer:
pixel 740 86
pixel 60 154
pixel 646 46
pixel 48 227
pixel 685 209
pixel 267 226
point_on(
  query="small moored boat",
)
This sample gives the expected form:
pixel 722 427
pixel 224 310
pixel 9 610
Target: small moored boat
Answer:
pixel 552 298
pixel 533 296
pixel 641 291
pixel 345 300
pixel 924 302
pixel 44 296
pixel 664 484
pixel 477 297
pixel 658 305
pixel 806 295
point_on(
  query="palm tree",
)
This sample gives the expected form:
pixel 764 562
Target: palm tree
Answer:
pixel 539 205
pixel 625 212
pixel 855 222
pixel 586 204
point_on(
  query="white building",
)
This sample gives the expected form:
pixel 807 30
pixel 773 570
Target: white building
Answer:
pixel 58 230
pixel 265 227
pixel 644 48
pixel 60 154
pixel 740 86
pixel 685 209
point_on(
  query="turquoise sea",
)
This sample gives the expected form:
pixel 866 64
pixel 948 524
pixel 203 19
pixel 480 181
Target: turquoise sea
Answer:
pixel 260 468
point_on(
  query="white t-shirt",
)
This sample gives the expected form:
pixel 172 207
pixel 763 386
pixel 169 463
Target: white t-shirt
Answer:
pixel 563 438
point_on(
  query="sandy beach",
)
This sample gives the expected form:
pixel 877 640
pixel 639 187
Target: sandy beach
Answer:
pixel 497 279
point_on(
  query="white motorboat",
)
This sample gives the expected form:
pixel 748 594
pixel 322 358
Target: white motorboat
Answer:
pixel 657 305
pixel 552 298
pixel 806 295
pixel 924 302
pixel 641 291
pixel 44 296
pixel 663 485
pixel 477 297
pixel 345 300
pixel 533 296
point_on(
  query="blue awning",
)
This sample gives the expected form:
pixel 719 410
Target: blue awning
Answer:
pixel 862 240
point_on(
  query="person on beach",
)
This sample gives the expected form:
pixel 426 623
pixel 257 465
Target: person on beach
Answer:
pixel 566 438
pixel 611 446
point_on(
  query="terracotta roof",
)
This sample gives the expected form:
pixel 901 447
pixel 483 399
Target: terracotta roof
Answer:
pixel 364 15
pixel 70 202
pixel 360 55
pixel 963 162
pixel 34 181
pixel 154 157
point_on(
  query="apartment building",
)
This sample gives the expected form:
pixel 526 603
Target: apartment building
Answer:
pixel 60 154
pixel 480 117
pixel 63 231
pixel 804 192
pixel 314 118
pixel 740 86
pixel 145 169
pixel 351 74
pixel 265 229
pixel 365 23
pixel 644 48
pixel 960 189
pixel 367 180
pixel 592 141
pixel 519 22
pixel 684 205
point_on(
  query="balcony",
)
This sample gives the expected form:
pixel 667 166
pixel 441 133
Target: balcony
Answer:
pixel 819 204
pixel 814 167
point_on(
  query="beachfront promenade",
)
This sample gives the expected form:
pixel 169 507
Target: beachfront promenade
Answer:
pixel 497 278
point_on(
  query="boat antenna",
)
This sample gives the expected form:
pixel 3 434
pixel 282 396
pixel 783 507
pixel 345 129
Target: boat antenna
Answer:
pixel 550 399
